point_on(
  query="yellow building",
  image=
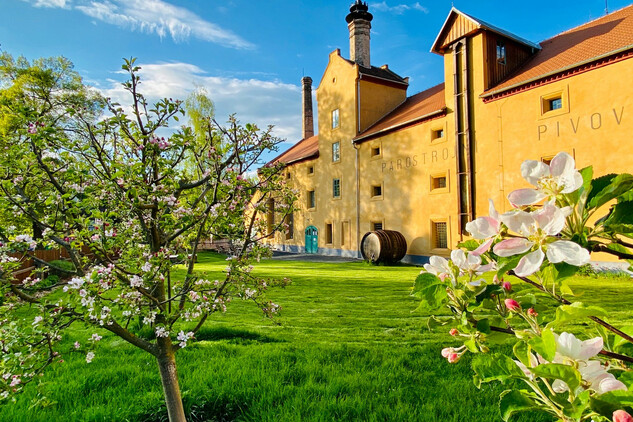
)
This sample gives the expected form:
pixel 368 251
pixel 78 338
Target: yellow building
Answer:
pixel 424 165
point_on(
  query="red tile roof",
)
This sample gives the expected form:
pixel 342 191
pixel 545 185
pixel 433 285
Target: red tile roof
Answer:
pixel 606 36
pixel 306 149
pixel 417 108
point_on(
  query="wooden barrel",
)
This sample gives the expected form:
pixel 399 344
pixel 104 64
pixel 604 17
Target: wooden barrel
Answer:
pixel 386 246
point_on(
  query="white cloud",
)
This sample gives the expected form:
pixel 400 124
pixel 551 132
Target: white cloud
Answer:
pixel 252 100
pixel 49 3
pixel 152 17
pixel 398 9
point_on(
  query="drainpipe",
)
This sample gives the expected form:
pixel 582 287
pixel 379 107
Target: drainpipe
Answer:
pixel 356 148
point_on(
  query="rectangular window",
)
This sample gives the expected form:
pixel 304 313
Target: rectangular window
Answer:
pixel 376 225
pixel 311 170
pixel 437 134
pixel 290 226
pixel 375 151
pixel 335 120
pixel 344 232
pixel 376 191
pixel 311 199
pixel 440 235
pixel 336 188
pixel 501 52
pixel 328 234
pixel 438 182
pixel 288 176
pixel 336 152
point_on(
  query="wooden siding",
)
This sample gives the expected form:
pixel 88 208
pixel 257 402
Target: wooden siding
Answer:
pixel 516 55
pixel 458 27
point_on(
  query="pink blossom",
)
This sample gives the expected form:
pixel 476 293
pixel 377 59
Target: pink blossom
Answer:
pixel 77 345
pixel 453 332
pixel 622 416
pixel 559 177
pixel 506 286
pixel 538 230
pixel 512 305
pixel 453 357
pixel 531 312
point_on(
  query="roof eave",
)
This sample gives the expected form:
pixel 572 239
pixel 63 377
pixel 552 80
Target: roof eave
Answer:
pixel 554 72
pixel 360 139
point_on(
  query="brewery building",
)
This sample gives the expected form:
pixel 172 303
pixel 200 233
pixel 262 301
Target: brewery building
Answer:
pixel 425 164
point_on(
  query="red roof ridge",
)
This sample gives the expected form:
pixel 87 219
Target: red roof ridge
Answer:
pixel 583 24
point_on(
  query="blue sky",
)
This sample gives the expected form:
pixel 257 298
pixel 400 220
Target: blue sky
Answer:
pixel 251 55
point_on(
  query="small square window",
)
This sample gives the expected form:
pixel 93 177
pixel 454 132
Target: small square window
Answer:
pixel 288 176
pixel 438 182
pixel 555 103
pixel 437 134
pixel 335 119
pixel 336 188
pixel 336 152
pixel 375 151
pixel 311 199
pixel 501 52
pixel 440 235
pixel 376 225
pixel 329 235
pixel 376 190
pixel 311 170
pixel 552 102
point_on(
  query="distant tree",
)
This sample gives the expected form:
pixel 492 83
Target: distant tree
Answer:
pixel 127 203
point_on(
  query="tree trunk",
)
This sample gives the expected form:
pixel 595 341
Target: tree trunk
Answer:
pixel 169 377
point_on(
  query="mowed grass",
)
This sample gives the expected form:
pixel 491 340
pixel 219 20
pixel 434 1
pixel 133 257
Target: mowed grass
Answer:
pixel 347 347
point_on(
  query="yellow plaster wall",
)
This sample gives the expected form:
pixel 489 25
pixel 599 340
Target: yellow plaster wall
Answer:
pixel 377 100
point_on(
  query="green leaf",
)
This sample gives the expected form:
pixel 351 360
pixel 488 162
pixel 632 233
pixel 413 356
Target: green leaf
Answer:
pixel 607 403
pixel 469 245
pixel 515 401
pixel 615 187
pixel 483 326
pixel 494 367
pixel 431 290
pixel 522 352
pixel 507 264
pixel 545 345
pixel 471 345
pixel 566 373
pixel 621 213
pixel 627 379
pixel 575 311
pixel 488 292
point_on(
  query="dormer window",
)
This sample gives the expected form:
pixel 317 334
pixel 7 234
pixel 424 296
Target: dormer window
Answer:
pixel 501 52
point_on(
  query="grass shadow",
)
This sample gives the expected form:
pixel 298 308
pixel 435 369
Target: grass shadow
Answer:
pixel 234 335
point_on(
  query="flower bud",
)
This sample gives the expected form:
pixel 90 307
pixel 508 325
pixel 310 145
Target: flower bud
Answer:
pixel 512 305
pixel 622 416
pixel 531 312
pixel 453 332
pixel 496 279
pixel 507 286
pixel 453 358
pixel 446 352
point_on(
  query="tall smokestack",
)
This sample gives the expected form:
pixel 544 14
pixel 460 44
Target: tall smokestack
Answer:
pixel 308 121
pixel 359 24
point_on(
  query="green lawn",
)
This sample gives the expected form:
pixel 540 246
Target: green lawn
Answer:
pixel 347 346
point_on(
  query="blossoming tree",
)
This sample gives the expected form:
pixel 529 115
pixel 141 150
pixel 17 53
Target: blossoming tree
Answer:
pixel 541 242
pixel 127 198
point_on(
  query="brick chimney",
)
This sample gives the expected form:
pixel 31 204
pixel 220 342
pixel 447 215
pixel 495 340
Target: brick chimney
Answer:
pixel 359 24
pixel 308 121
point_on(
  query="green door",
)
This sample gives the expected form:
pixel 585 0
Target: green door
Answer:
pixel 312 240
